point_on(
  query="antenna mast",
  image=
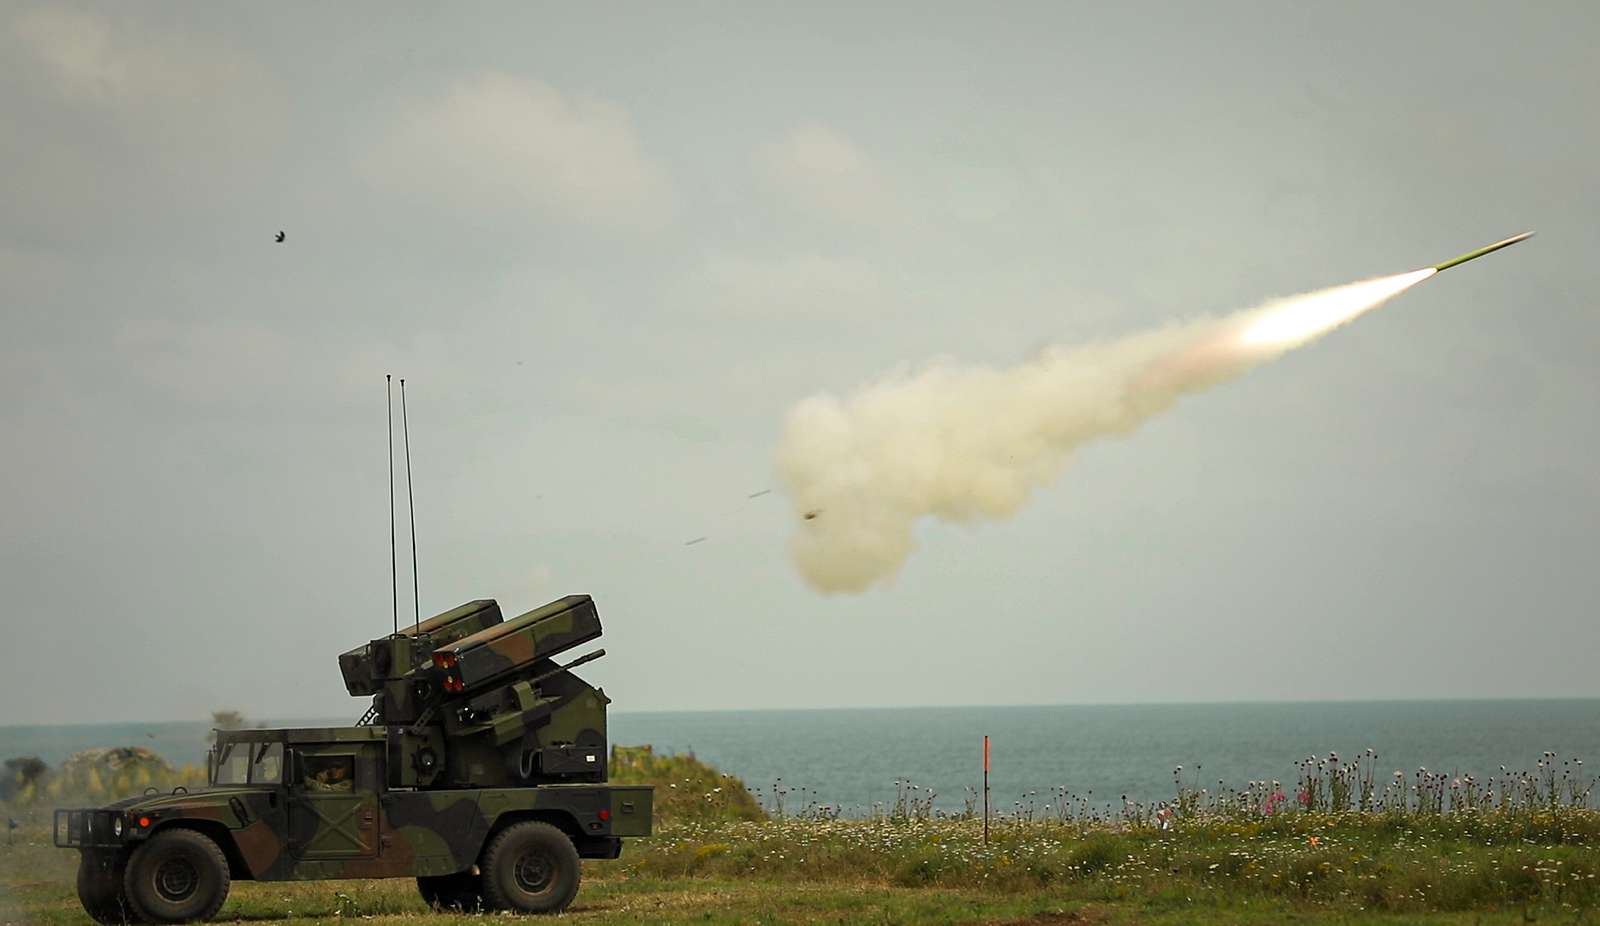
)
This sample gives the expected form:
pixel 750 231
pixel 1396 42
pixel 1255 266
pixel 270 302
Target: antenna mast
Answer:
pixel 411 504
pixel 394 582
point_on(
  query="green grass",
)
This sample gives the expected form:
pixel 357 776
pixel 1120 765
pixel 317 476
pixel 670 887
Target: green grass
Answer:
pixel 1359 869
pixel 1347 861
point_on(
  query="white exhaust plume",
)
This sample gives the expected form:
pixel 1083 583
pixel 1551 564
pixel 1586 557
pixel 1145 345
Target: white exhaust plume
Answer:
pixel 963 443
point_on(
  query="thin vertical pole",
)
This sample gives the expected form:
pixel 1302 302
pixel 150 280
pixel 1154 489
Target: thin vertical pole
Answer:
pixel 394 580
pixel 411 505
pixel 986 789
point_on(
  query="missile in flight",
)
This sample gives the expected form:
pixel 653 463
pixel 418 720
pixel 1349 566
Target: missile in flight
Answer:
pixel 1486 249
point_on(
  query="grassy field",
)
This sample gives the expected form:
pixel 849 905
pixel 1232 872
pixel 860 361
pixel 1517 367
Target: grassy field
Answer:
pixel 847 872
pixel 1235 857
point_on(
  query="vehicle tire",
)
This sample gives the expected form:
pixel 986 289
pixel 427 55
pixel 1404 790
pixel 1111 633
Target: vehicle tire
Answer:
pixel 179 876
pixel 530 867
pixel 100 888
pixel 461 891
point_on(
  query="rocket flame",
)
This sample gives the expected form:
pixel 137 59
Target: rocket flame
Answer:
pixel 969 443
pixel 1291 322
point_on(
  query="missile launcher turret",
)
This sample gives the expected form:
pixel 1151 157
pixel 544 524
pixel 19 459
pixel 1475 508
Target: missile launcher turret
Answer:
pixel 366 667
pixel 469 699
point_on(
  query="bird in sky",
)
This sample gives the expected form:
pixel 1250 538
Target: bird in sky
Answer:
pixel 279 237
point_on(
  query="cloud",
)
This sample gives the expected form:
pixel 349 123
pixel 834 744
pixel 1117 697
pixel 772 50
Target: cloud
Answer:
pixel 107 120
pixel 803 284
pixel 817 169
pixel 496 141
pixel 90 58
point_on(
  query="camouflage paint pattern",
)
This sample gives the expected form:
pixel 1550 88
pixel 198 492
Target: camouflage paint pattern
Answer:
pixel 364 667
pixel 271 837
pixel 292 831
pixel 539 634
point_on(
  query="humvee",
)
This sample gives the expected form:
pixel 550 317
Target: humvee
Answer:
pixel 479 770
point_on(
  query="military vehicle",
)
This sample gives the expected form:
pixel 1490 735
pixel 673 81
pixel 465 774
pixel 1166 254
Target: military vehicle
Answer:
pixel 479 770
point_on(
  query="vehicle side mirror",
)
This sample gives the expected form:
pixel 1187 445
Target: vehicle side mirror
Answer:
pixel 211 765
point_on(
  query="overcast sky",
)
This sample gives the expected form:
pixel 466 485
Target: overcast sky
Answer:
pixel 609 246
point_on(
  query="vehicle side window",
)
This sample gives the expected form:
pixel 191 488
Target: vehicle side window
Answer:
pixel 328 773
pixel 268 767
pixel 233 764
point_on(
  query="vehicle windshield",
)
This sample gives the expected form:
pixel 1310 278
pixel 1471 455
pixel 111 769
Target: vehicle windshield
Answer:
pixel 249 763
pixel 233 764
pixel 268 765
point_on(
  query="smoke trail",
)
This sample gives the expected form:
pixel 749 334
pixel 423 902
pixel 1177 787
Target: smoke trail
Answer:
pixel 963 443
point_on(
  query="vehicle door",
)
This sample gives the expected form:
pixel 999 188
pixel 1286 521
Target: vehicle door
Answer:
pixel 333 802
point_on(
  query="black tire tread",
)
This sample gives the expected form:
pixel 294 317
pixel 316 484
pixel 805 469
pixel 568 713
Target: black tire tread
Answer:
pixel 194 839
pixel 508 840
pixel 461 891
pixel 101 892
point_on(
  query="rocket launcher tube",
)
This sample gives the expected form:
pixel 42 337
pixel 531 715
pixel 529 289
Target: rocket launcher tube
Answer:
pixel 458 623
pixel 367 666
pixel 518 643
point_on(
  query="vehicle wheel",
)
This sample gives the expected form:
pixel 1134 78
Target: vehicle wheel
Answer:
pixel 461 891
pixel 100 888
pixel 177 877
pixel 530 868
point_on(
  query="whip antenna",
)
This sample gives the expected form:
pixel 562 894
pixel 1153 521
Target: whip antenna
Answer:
pixel 394 582
pixel 411 505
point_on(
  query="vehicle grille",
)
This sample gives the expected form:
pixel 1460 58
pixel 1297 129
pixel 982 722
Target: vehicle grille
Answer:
pixel 84 828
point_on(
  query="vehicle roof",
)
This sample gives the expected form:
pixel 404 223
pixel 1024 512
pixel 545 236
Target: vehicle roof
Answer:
pixel 304 735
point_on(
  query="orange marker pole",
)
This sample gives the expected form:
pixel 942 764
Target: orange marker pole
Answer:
pixel 986 789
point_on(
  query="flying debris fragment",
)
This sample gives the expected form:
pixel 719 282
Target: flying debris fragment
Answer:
pixel 279 237
pixel 1486 249
pixel 729 514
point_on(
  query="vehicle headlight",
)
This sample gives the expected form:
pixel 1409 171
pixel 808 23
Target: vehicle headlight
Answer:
pixel 116 827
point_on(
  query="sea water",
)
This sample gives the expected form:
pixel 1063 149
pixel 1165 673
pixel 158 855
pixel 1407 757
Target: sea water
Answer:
pixel 852 758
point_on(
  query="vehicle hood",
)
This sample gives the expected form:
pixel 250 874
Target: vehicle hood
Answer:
pixel 166 801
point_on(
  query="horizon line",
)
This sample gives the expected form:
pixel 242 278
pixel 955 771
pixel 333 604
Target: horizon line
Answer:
pixel 922 707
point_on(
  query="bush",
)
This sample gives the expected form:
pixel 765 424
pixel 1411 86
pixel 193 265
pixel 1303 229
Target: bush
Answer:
pixel 21 775
pixel 686 788
pixel 1096 853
